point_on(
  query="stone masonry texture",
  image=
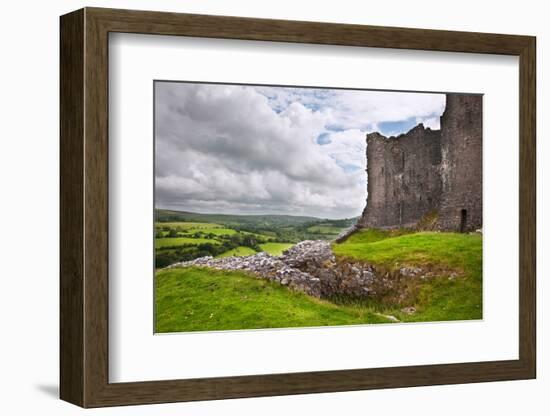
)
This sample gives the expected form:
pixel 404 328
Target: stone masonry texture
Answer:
pixel 428 172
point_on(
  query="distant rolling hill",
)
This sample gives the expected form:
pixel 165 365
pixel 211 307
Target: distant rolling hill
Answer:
pixel 257 221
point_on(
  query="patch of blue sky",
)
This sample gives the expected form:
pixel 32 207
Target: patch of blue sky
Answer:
pixel 324 138
pixel 313 106
pixel 274 103
pixel 395 128
pixel 334 127
pixel 348 168
pixel 345 166
pixel 279 98
pixel 323 94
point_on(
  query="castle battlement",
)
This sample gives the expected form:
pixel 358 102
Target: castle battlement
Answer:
pixel 428 172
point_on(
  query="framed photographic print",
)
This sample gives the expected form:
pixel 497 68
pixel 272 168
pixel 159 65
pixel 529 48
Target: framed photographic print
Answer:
pixel 255 207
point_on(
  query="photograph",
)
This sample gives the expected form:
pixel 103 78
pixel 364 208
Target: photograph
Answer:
pixel 313 206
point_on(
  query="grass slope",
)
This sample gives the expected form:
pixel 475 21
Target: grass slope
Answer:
pixel 178 241
pixel 275 249
pixel 216 231
pixel 439 299
pixel 195 299
pixel 372 235
pixel 325 229
pixel 188 228
pixel 238 251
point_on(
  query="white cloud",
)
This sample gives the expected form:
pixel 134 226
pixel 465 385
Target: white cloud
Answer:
pixel 242 149
pixel 429 122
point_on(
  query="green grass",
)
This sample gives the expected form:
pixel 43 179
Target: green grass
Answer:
pixel 188 228
pixel 195 299
pixel 200 299
pixel 275 249
pixel 187 225
pixel 193 227
pixel 264 237
pixel 215 231
pixel 238 251
pixel 452 249
pixel 440 298
pixel 325 229
pixel 372 235
pixel 179 241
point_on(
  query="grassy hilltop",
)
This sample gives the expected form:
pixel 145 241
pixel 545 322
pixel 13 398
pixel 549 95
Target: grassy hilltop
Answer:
pixel 197 299
pixel 454 295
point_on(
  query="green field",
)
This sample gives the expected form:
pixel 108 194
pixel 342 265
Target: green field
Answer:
pixel 423 248
pixel 218 231
pixel 195 299
pixel 181 241
pixel 438 299
pixel 275 249
pixel 200 299
pixel 325 229
pixel 185 229
pixel 283 228
pixel 371 235
pixel 188 225
pixel 178 241
pixel 184 236
pixel 455 259
pixel 238 251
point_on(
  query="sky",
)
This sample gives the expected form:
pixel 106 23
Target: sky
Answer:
pixel 239 149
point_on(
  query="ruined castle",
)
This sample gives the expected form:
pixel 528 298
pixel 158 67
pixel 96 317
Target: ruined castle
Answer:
pixel 428 177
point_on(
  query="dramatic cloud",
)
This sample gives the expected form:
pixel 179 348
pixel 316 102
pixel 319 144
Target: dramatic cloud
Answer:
pixel 244 149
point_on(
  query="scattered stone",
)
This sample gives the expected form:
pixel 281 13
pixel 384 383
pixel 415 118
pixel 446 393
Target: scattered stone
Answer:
pixel 389 317
pixel 409 310
pixel 312 268
pixel 410 271
pixel 309 266
pixel 453 276
pixel 345 234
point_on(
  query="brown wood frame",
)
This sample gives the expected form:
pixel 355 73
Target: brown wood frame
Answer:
pixel 84 208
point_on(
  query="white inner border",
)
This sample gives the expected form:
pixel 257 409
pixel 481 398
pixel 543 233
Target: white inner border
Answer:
pixel 135 354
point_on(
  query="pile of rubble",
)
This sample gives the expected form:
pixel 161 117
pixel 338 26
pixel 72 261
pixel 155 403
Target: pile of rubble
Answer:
pixel 309 267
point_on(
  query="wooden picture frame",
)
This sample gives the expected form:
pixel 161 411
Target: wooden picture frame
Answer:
pixel 84 207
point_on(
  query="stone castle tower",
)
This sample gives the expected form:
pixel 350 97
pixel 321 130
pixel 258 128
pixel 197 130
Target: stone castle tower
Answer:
pixel 435 173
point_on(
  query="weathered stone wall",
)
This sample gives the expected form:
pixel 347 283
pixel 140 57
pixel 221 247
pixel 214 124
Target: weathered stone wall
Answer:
pixel 312 268
pixel 425 171
pixel 461 167
pixel 404 182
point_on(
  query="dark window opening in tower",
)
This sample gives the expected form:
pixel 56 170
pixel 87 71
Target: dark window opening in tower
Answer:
pixel 463 218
